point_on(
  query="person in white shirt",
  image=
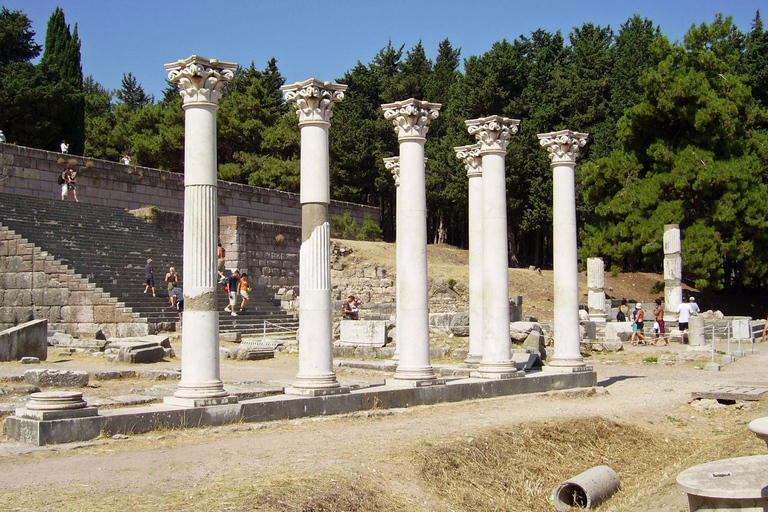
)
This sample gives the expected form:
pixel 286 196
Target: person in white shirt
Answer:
pixel 693 306
pixel 64 147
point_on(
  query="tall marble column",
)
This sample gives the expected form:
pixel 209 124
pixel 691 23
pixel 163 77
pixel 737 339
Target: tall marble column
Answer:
pixel 596 289
pixel 411 119
pixel 200 81
pixel 673 270
pixel 493 133
pixel 563 147
pixel 470 156
pixel 392 164
pixel 314 101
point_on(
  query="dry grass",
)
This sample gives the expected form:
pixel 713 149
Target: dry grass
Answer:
pixel 517 469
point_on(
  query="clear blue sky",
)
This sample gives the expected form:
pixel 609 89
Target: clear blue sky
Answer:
pixel 325 39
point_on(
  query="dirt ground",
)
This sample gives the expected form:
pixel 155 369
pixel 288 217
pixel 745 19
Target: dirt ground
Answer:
pixel 94 476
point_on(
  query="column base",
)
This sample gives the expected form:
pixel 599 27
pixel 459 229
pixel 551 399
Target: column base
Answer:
pixel 598 317
pixel 292 390
pixel 320 381
pixel 498 370
pixel 423 373
pixel 472 361
pixel 199 402
pixel 407 383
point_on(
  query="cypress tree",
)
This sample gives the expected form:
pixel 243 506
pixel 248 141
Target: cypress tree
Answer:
pixel 61 64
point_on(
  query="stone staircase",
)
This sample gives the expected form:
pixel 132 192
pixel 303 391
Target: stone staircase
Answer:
pixel 109 247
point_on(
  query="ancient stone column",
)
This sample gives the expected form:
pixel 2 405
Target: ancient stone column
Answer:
pixel 411 119
pixel 673 270
pixel 493 133
pixel 563 147
pixel 392 164
pixel 470 156
pixel 200 82
pixel 314 101
pixel 596 289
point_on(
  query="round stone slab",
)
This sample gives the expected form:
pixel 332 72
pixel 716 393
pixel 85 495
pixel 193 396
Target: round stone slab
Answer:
pixel 56 401
pixel 736 483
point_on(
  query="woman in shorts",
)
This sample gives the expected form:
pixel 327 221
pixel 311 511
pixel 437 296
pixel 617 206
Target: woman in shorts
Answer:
pixel 243 289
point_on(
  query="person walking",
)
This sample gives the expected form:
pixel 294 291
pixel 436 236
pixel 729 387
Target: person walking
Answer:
pixel 661 331
pixel 683 316
pixel 177 297
pixel 231 288
pixel 67 181
pixel 637 326
pixel 244 290
pixel 623 314
pixel 149 276
pixel 171 277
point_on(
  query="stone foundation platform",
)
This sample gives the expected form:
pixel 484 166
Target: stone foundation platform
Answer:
pixel 138 420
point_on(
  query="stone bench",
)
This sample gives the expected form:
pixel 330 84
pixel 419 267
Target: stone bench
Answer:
pixel 363 333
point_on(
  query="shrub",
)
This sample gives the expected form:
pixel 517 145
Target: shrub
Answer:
pixel 369 230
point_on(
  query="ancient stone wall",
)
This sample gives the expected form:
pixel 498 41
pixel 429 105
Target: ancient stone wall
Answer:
pixel 34 285
pixel 33 172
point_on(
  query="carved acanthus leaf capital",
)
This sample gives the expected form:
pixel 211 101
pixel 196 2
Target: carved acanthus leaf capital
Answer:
pixel 314 99
pixel 470 157
pixel 392 164
pixel 493 132
pixel 411 117
pixel 200 80
pixel 563 146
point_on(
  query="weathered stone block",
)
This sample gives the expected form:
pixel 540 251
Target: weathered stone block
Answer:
pixel 460 324
pixel 370 333
pixel 55 378
pixel 142 355
pixel 29 339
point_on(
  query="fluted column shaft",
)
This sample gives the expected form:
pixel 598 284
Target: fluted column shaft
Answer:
pixel 470 155
pixel 563 148
pixel 596 289
pixel 411 119
pixel 493 135
pixel 313 101
pixel 200 82
pixel 673 270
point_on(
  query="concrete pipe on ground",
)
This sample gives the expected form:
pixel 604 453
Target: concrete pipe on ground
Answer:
pixel 587 489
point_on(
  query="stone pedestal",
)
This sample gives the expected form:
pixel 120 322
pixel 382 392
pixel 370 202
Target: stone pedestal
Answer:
pixel 493 133
pixel 392 164
pixel 470 156
pixel 563 147
pixel 411 119
pixel 673 271
pixel 200 82
pixel 56 405
pixel 314 100
pixel 596 289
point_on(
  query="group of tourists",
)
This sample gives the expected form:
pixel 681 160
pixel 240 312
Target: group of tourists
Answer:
pixel 637 316
pixel 237 285
pixel 67 180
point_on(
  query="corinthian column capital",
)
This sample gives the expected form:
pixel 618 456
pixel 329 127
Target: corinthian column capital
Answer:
pixel 563 146
pixel 392 164
pixel 493 132
pixel 200 80
pixel 411 117
pixel 314 99
pixel 470 157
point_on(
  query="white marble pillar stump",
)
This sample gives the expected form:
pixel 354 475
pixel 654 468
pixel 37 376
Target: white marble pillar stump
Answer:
pixel 314 101
pixel 411 119
pixel 493 133
pixel 392 164
pixel 470 157
pixel 200 82
pixel 673 271
pixel 563 147
pixel 596 289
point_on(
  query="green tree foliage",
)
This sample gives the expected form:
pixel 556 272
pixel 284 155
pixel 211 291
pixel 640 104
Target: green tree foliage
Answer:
pixel 61 65
pixel 132 94
pixel 17 39
pixel 687 159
